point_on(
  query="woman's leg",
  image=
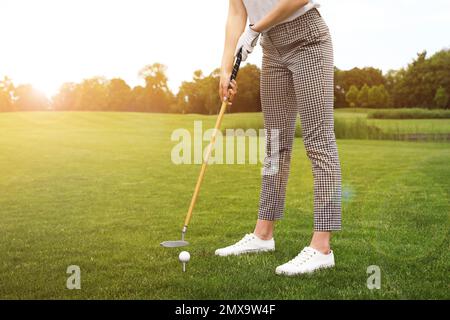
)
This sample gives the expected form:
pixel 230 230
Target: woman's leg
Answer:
pixel 312 69
pixel 313 72
pixel 279 106
pixel 280 112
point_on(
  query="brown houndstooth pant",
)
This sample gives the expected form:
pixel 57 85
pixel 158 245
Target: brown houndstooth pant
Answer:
pixel 297 77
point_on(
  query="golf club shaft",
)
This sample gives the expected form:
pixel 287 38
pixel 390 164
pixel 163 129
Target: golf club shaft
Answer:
pixel 205 163
pixel 223 108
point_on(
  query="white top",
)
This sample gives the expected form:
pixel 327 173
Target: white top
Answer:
pixel 258 9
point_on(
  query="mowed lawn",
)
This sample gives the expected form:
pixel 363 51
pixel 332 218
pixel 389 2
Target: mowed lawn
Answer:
pixel 99 190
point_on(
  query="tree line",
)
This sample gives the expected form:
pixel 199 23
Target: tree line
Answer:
pixel 424 83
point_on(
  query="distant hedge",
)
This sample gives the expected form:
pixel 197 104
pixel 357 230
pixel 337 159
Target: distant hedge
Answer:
pixel 415 113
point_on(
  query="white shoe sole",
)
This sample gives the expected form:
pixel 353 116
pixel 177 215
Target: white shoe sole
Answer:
pixel 255 251
pixel 293 274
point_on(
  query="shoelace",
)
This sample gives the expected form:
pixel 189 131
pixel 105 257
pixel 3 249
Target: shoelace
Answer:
pixel 243 241
pixel 302 257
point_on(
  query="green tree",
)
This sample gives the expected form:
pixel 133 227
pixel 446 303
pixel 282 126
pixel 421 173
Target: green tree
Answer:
pixel 378 97
pixel 119 95
pixel 441 98
pixel 352 96
pixel 415 86
pixel 374 97
pixel 92 95
pixel 383 96
pixel 184 96
pixel 157 96
pixel 392 78
pixel 190 95
pixel 363 97
pixel 209 87
pixel 66 97
pixel 200 94
pixel 358 77
pixel 138 99
pixel 6 95
pixel 26 98
pixel 248 98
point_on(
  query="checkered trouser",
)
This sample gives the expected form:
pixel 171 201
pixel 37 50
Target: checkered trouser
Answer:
pixel 297 77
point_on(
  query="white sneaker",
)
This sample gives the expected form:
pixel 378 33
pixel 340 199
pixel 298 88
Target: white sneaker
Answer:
pixel 249 244
pixel 308 261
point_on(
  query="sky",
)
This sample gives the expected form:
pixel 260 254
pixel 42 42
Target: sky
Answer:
pixel 49 42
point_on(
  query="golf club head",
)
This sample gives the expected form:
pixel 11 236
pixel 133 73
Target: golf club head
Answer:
pixel 174 244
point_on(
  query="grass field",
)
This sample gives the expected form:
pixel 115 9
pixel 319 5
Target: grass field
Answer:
pixel 349 118
pixel 414 113
pixel 404 126
pixel 99 190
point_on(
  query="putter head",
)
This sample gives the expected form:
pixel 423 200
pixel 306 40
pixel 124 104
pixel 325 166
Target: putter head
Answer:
pixel 174 244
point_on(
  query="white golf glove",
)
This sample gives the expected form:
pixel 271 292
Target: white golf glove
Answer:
pixel 247 42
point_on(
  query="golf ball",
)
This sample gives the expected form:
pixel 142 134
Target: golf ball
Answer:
pixel 184 256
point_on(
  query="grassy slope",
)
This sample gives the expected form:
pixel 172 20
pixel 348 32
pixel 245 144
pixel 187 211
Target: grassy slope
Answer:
pixel 99 190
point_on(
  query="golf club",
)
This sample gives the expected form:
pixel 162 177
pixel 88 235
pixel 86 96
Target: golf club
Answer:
pixel 183 242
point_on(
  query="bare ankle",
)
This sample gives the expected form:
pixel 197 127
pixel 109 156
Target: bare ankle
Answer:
pixel 321 242
pixel 264 229
pixel 263 236
pixel 322 249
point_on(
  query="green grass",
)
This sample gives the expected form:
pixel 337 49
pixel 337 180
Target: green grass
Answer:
pixel 415 113
pixel 99 190
pixel 355 124
pixel 403 126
